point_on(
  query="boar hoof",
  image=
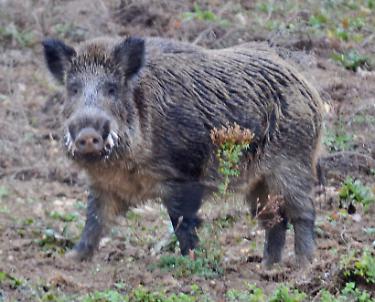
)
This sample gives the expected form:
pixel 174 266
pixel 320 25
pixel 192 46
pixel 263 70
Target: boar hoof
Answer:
pixel 78 256
pixel 303 261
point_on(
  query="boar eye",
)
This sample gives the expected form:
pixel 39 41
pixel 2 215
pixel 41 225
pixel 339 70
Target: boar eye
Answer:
pixel 74 88
pixel 110 89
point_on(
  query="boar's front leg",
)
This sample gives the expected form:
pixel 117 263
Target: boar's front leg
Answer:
pixel 183 202
pixel 92 232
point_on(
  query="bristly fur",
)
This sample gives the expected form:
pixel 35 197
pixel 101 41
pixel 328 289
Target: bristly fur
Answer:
pixel 164 113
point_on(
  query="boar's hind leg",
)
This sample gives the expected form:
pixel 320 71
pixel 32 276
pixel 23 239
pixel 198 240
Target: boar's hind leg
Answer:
pixel 275 233
pixel 92 232
pixel 183 203
pixel 296 185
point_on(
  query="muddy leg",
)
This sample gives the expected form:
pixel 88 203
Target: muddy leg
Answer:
pixel 274 243
pixel 92 232
pixel 275 235
pixel 295 184
pixel 183 204
pixel 304 241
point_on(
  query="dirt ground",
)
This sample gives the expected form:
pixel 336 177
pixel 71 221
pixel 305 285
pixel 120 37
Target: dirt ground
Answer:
pixel 42 196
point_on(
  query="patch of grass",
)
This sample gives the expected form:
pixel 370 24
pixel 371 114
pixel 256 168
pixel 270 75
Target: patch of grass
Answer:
pixel 352 293
pixel 352 60
pixel 354 191
pixel 359 265
pixel 337 139
pixel 10 281
pixel 52 241
pixel 225 222
pixel 318 20
pixel 349 293
pixel 3 192
pixel 142 294
pixel 105 296
pixel 206 264
pixel 364 119
pixel 252 294
pixel 204 15
pixel 265 7
pixel 284 294
pixel 11 32
pixel 65 217
pixel 68 31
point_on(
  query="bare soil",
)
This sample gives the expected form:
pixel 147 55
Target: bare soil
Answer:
pixel 42 195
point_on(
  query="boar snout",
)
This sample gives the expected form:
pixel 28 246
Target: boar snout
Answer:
pixel 89 142
pixel 90 136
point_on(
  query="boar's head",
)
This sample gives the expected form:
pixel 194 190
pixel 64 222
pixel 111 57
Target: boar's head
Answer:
pixel 99 79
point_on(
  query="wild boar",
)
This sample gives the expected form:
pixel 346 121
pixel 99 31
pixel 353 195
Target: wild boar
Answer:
pixel 139 112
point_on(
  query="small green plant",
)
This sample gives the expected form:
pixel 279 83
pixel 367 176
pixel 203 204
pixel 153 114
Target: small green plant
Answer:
pixel 348 294
pixel 11 32
pixel 204 264
pixel 265 7
pixel 224 222
pixel 337 139
pixel 8 280
pixel 204 15
pixel 354 191
pixel 105 296
pixel 65 217
pixel 362 266
pixel 351 60
pixel 284 294
pixel 231 142
pixel 52 241
pixel 351 293
pixel 3 192
pixel 318 20
pixel 142 294
pixel 252 294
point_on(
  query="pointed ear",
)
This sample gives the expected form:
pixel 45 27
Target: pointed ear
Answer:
pixel 130 55
pixel 57 55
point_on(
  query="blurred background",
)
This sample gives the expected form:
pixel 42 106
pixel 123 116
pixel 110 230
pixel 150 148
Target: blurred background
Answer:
pixel 42 196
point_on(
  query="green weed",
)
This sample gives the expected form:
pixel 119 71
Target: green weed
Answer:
pixel 318 20
pixel 354 191
pixel 337 139
pixel 105 296
pixel 52 241
pixel 204 15
pixel 8 280
pixel 364 119
pixel 206 264
pixel 363 266
pixel 3 192
pixel 285 294
pixel 252 294
pixel 348 294
pixel 65 217
pixel 231 142
pixel 143 295
pixel 352 60
pixel 352 293
pixel 11 32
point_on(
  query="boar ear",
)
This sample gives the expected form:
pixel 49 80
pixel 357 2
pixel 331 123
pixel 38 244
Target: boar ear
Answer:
pixel 130 55
pixel 57 55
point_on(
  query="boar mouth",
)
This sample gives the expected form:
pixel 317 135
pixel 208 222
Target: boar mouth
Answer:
pixel 109 148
